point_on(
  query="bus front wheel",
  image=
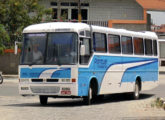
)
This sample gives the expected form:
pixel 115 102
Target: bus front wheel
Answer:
pixel 43 100
pixel 1 79
pixel 88 99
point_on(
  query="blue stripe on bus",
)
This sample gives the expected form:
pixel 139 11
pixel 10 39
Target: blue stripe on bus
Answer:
pixel 36 72
pixel 98 71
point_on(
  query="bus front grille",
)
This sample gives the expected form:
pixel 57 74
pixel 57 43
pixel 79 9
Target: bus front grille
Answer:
pixel 45 89
pixel 37 80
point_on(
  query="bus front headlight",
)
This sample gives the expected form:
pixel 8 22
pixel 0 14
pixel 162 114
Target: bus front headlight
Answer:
pixel 24 80
pixel 65 80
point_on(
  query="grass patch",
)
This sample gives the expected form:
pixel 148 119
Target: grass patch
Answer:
pixel 159 103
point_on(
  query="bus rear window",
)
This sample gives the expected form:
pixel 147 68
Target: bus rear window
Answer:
pixel 148 47
pixel 138 46
pixel 155 48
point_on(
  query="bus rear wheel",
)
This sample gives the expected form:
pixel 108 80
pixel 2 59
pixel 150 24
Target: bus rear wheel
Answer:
pixel 43 100
pixel 136 92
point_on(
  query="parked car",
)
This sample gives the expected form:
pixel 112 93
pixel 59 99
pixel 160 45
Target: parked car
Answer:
pixel 1 78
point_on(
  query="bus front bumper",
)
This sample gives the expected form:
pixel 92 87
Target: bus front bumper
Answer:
pixel 68 89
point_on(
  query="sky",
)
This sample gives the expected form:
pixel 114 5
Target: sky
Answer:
pixel 158 18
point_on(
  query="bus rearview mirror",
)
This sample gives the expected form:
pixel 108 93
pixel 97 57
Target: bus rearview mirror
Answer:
pixel 16 47
pixel 82 50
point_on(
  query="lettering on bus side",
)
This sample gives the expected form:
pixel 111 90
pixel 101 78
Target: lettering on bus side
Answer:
pixel 101 63
pixel 34 74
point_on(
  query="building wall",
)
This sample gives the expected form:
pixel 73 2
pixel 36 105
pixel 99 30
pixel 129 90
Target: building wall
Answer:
pixel 104 10
pixel 161 36
pixel 115 9
pixel 133 27
pixel 9 63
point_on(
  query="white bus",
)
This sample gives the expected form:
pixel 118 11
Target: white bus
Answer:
pixel 78 60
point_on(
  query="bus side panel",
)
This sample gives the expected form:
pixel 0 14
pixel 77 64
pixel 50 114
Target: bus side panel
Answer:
pixel 147 71
pixel 116 74
pixel 97 69
pixel 83 81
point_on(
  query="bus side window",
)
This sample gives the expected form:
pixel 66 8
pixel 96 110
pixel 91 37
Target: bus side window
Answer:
pixel 127 45
pixel 100 42
pixel 155 48
pixel 138 46
pixel 114 44
pixel 148 47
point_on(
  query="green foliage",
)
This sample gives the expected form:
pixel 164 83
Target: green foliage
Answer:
pixel 4 38
pixel 17 14
pixel 159 103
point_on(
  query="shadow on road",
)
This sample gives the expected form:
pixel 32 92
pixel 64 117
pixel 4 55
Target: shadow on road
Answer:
pixel 78 102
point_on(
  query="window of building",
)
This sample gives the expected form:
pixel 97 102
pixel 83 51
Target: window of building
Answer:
pixel 84 14
pixel 85 4
pixel 73 4
pixel 54 16
pixel 53 3
pixel 114 44
pixel 74 14
pixel 69 11
pixel 138 46
pixel 64 14
pixel 148 47
pixel 100 42
pixel 64 4
pixel 127 45
pixel 155 48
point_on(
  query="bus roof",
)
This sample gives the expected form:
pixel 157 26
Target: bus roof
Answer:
pixel 124 32
pixel 76 27
pixel 56 27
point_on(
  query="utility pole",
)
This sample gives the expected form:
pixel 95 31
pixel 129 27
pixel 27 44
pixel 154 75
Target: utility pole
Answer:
pixel 58 10
pixel 79 11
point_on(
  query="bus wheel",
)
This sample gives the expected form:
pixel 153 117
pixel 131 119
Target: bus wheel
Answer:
pixel 1 79
pixel 136 92
pixel 88 99
pixel 43 100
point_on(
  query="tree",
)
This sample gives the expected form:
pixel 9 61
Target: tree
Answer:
pixel 4 38
pixel 17 14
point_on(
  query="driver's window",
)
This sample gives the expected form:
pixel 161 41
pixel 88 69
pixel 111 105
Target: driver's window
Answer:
pixel 84 59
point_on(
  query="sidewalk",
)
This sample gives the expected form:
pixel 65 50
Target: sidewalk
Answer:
pixel 10 78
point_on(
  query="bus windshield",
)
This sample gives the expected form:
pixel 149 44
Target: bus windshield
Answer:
pixel 50 48
pixel 62 48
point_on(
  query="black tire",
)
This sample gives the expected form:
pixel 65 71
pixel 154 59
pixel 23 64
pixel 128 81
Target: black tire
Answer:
pixel 43 100
pixel 1 79
pixel 88 100
pixel 136 93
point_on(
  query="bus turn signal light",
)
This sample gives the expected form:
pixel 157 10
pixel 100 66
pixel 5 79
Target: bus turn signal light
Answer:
pixel 73 80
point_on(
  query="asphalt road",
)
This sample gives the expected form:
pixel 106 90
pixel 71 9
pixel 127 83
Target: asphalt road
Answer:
pixel 159 91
